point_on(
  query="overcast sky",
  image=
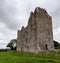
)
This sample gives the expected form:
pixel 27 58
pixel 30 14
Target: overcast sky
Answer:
pixel 15 13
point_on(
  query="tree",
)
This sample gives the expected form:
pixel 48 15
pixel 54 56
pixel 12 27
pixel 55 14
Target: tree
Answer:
pixel 56 44
pixel 12 44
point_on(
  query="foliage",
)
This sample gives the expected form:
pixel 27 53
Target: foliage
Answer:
pixel 12 44
pixel 57 45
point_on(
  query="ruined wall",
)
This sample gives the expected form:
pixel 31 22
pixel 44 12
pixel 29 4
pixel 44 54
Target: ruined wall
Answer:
pixel 38 35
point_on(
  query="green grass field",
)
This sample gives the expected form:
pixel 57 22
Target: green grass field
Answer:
pixel 16 57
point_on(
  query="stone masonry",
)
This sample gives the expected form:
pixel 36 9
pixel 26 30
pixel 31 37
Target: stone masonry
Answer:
pixel 38 35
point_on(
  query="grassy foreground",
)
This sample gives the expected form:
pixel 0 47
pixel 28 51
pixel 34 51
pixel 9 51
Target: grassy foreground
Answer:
pixel 16 57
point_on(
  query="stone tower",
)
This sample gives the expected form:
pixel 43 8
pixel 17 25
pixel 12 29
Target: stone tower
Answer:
pixel 38 35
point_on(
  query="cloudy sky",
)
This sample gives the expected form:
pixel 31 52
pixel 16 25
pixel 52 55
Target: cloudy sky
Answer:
pixel 15 13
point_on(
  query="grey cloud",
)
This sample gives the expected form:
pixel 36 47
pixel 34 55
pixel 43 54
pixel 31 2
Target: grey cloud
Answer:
pixel 9 15
pixel 6 34
pixel 56 18
pixel 15 13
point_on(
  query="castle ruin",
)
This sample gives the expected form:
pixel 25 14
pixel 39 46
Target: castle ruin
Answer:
pixel 38 35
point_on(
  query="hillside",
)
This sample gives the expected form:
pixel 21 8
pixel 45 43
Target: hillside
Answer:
pixel 16 57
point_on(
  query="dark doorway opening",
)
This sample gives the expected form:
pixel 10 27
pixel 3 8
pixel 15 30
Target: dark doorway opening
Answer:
pixel 46 47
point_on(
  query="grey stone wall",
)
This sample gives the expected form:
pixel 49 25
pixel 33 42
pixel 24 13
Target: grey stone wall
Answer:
pixel 38 35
